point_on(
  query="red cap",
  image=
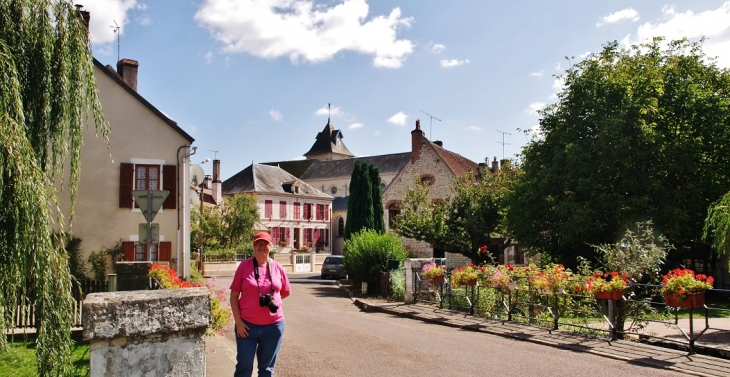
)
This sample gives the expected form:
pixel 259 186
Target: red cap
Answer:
pixel 262 236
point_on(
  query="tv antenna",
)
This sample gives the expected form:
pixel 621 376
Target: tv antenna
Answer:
pixel 502 142
pixel 116 28
pixel 430 123
pixel 215 154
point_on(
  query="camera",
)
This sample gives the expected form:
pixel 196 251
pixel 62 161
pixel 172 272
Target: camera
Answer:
pixel 268 301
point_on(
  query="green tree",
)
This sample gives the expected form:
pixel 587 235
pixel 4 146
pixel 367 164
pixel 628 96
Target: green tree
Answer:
pixel 377 197
pixel 637 134
pixel 367 252
pixel 239 214
pixel 47 89
pixel 360 212
pixel 462 224
pixel 717 227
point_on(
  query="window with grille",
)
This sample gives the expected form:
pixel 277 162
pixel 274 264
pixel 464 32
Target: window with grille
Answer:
pixel 297 211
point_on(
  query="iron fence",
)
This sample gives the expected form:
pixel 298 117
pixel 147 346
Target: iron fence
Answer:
pixel 569 309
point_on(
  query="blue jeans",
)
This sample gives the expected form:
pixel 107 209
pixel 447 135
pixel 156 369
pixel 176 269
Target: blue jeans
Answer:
pixel 262 341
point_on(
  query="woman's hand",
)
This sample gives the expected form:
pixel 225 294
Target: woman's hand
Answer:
pixel 241 329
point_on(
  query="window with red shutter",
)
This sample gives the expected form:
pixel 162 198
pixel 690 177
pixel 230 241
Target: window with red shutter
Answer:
pixel 319 212
pixel 126 180
pixel 275 235
pixel 316 237
pixel 297 212
pixel 288 242
pixel 307 211
pixel 267 208
pixel 169 183
pixel 326 212
pixel 282 209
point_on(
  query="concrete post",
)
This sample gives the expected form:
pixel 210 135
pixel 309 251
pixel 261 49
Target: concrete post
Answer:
pixel 147 333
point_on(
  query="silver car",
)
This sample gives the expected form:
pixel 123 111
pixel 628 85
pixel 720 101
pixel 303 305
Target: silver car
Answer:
pixel 333 267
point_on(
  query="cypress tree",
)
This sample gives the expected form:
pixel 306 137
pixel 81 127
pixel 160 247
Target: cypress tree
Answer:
pixel 360 203
pixel 377 199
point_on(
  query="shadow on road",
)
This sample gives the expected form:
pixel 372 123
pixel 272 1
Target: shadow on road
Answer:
pixel 328 291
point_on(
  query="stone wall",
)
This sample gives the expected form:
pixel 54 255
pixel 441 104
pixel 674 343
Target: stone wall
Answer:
pixel 147 333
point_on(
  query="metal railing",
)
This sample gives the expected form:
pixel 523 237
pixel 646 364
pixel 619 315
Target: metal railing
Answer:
pixel 627 317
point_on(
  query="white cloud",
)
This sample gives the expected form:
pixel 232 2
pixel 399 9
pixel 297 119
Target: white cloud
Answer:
pixel 298 158
pixel 534 107
pixel 453 63
pixel 378 133
pixel 103 15
pixel 331 111
pixel 558 86
pixel 537 74
pixel 275 115
pixel 398 119
pixel 624 14
pixel 354 126
pixel 208 56
pixel 473 128
pixel 303 30
pixel 438 48
pixel 712 24
pixel 192 129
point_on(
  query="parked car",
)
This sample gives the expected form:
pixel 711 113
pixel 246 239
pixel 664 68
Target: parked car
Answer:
pixel 333 267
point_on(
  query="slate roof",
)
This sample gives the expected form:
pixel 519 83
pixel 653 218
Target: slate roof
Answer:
pixel 329 169
pixel 265 179
pixel 109 71
pixel 293 167
pixel 326 142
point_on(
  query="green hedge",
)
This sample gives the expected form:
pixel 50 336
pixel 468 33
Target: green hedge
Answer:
pixel 367 253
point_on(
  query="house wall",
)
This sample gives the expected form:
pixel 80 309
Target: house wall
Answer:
pixel 427 162
pixel 293 223
pixel 137 135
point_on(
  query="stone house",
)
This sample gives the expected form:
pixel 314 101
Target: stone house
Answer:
pixel 295 213
pixel 147 151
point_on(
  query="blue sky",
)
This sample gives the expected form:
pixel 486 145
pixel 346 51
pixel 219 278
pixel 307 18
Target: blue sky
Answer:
pixel 252 79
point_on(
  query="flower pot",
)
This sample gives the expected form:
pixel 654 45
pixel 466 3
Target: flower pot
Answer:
pixel 609 295
pixel 471 282
pixel 438 279
pixel 693 300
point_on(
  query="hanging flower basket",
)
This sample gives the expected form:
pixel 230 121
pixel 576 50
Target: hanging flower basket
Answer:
pixel 471 282
pixel 438 279
pixel 609 295
pixel 693 300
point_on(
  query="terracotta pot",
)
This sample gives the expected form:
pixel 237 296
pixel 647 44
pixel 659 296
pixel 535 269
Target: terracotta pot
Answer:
pixel 438 279
pixel 610 295
pixel 693 300
pixel 471 282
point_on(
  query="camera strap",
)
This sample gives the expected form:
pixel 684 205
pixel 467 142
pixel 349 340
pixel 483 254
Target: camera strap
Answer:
pixel 256 274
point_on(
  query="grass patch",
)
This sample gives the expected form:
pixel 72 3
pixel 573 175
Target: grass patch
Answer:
pixel 20 360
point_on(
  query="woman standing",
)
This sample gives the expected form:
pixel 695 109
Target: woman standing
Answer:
pixel 258 287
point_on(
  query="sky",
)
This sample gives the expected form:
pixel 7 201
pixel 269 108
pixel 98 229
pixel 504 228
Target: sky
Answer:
pixel 255 81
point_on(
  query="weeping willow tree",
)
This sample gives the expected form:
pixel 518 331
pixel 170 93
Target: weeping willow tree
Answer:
pixel 47 95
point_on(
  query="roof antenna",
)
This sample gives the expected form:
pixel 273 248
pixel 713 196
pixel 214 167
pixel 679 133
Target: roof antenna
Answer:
pixel 429 125
pixel 116 31
pixel 503 143
pixel 215 154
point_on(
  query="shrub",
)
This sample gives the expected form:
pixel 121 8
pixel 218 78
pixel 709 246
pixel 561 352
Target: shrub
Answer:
pixel 98 261
pixel 367 252
pixel 75 263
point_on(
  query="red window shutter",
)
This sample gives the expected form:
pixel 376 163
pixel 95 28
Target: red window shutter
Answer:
pixel 297 211
pixel 126 182
pixel 275 235
pixel 316 237
pixel 282 209
pixel 326 237
pixel 327 212
pixel 267 208
pixel 169 183
pixel 128 248
pixel 165 251
pixel 318 216
pixel 287 236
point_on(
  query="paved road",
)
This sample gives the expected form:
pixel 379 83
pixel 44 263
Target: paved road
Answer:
pixel 326 335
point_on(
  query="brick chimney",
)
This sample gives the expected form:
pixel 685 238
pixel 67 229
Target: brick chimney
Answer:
pixel 439 143
pixel 416 142
pixel 127 68
pixel 217 181
pixel 495 165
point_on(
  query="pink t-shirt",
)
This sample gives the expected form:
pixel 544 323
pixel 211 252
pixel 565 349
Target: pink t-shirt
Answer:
pixel 245 282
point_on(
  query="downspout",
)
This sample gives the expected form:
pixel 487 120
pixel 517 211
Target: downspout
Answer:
pixel 182 268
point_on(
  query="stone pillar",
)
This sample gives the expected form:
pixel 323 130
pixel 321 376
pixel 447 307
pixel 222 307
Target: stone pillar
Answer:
pixel 147 333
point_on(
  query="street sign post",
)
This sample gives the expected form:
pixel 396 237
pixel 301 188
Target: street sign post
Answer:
pixel 150 202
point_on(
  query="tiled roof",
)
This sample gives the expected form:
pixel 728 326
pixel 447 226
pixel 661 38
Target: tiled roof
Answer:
pixel 458 164
pixel 330 169
pixel 293 167
pixel 265 179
